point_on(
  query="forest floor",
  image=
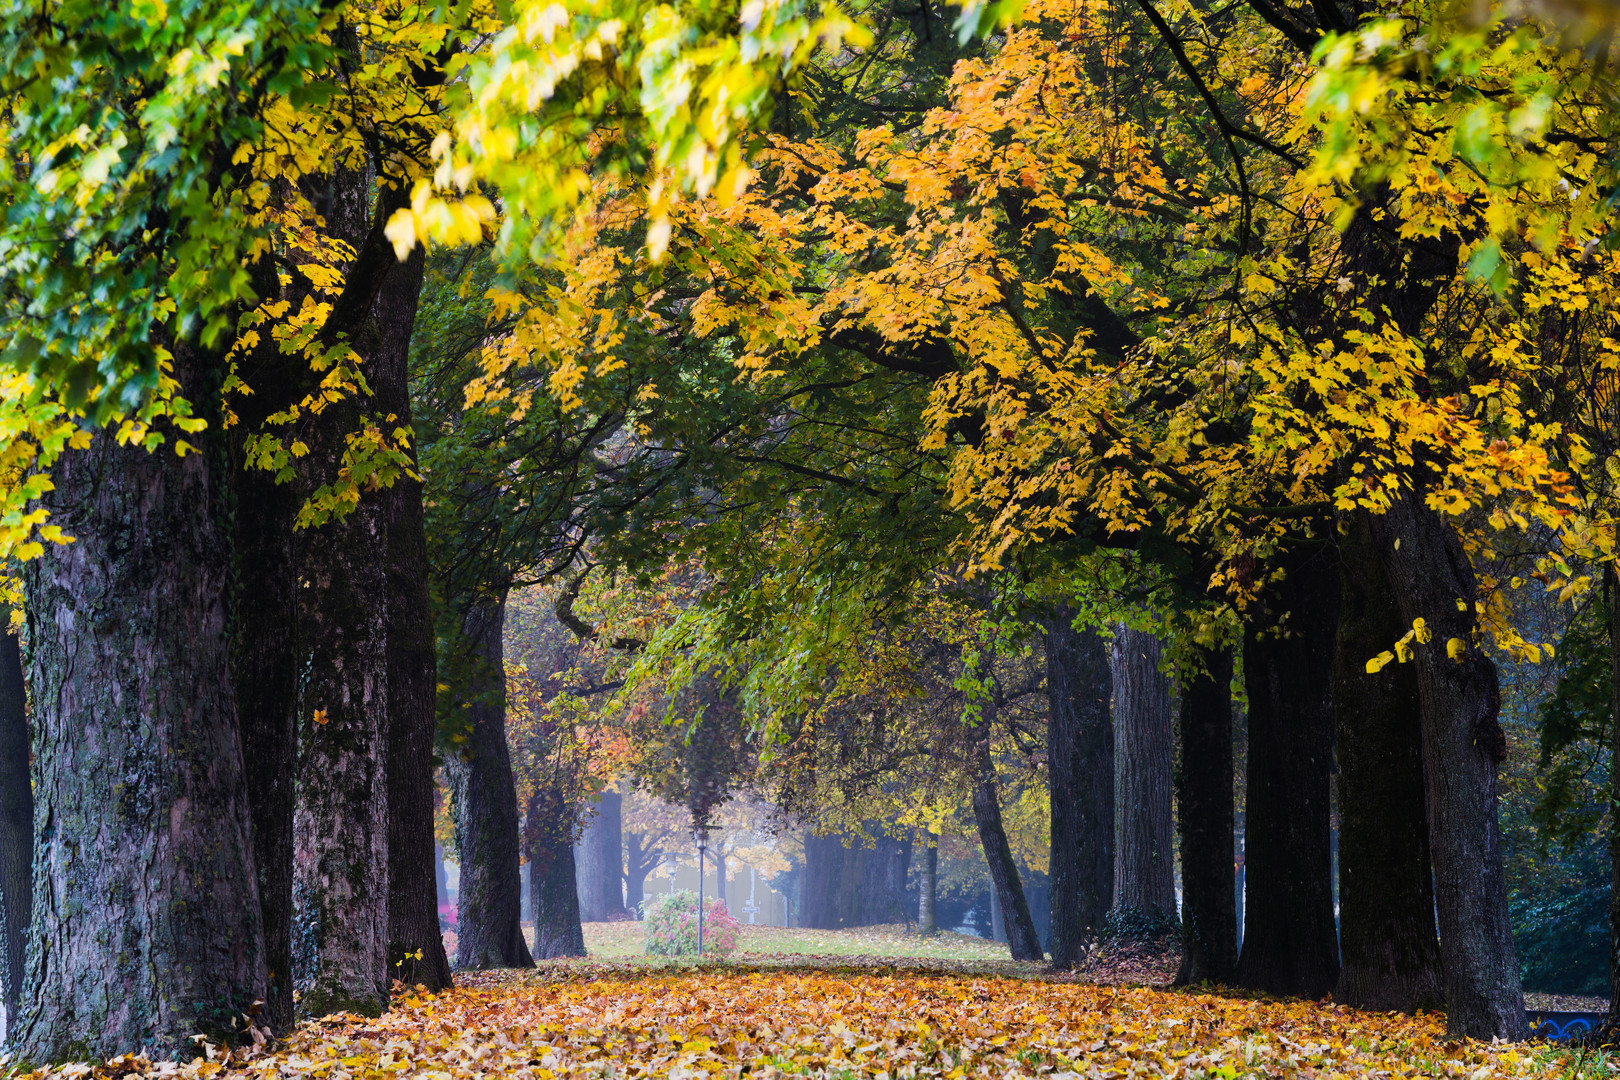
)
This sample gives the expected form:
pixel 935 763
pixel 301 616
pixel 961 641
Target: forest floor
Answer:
pixel 900 946
pixel 897 945
pixel 612 1019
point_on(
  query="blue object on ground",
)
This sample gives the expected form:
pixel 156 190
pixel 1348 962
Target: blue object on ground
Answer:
pixel 1557 1026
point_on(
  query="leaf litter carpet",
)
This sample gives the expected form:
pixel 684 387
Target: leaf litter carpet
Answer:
pixel 591 1020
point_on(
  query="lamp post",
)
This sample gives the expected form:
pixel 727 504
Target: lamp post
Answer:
pixel 702 836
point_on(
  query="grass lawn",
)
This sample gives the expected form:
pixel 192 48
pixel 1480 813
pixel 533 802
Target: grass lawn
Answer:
pixel 619 940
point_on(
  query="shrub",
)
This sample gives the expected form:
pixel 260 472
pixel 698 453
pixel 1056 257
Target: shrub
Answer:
pixel 672 925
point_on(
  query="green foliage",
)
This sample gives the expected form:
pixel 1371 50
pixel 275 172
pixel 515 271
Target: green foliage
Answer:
pixel 621 88
pixel 1575 726
pixel 128 221
pixel 1561 922
pixel 1556 808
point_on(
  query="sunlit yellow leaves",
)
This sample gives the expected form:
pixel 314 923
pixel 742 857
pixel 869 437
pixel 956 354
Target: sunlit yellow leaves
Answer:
pixel 692 79
pixel 452 221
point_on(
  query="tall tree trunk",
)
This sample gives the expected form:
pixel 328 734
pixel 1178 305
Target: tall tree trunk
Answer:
pixel 873 883
pixel 1023 942
pixel 998 921
pixel 489 918
pixel 415 947
pixel 265 665
pixel 928 891
pixel 1290 945
pixel 1144 861
pixel 552 887
pixel 1611 587
pixel 340 815
pixel 720 875
pixel 1205 800
pixel 1463 746
pixel 145 924
pixel 601 865
pixel 1080 760
pixel 640 859
pixel 264 646
pixel 896 867
pixel 16 828
pixel 823 881
pixel 1387 942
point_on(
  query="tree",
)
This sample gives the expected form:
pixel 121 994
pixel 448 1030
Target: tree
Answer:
pixel 1290 944
pixel 1080 762
pixel 928 891
pixel 416 953
pixel 651 827
pixel 1144 870
pixel 1388 943
pixel 1205 809
pixel 601 861
pixel 489 932
pixel 138 761
pixel 16 830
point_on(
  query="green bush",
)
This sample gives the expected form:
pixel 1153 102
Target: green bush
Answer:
pixel 672 925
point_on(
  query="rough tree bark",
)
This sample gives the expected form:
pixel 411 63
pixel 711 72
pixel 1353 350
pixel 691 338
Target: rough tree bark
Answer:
pixel 145 926
pixel 1611 585
pixel 415 946
pixel 928 892
pixel 1290 945
pixel 341 818
pixel 1389 951
pixel 264 646
pixel 1023 942
pixel 1144 861
pixel 599 861
pixel 552 887
pixel 1432 579
pixel 1205 801
pixel 1463 747
pixel 16 828
pixel 340 814
pixel 1080 760
pixel 489 932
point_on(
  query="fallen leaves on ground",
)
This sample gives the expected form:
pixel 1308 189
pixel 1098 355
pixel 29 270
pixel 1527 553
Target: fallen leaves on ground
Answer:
pixel 1565 1003
pixel 1131 964
pixel 592 1020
